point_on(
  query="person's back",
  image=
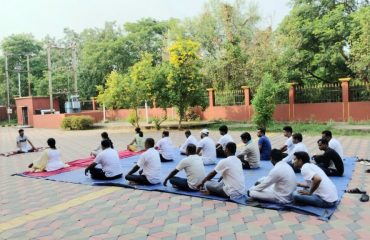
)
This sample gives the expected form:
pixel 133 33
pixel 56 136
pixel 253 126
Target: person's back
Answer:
pixel 265 149
pixel 335 161
pixel 109 160
pixel 251 154
pixel 140 140
pixel 189 140
pixel 208 150
pixel 54 162
pixel 286 183
pixel 336 146
pixel 326 190
pixel 194 169
pixel 225 139
pixel 150 163
pixel 166 148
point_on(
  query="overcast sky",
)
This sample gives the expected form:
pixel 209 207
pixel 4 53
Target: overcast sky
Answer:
pixel 42 17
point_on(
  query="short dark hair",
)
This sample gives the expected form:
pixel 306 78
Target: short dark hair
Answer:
pixel 104 135
pixel 223 128
pixel 231 147
pixel 288 129
pixel 188 132
pixel 150 142
pixel 191 149
pixel 327 133
pixel 20 130
pixel 298 136
pixel 302 156
pixel 106 143
pixel 141 134
pixel 263 130
pixel 166 133
pixel 246 136
pixel 51 142
pixel 276 155
pixel 137 130
pixel 323 141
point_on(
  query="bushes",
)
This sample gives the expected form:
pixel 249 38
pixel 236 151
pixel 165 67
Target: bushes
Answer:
pixel 77 122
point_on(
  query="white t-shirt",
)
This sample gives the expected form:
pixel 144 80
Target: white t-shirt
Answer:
pixel 225 139
pixel 299 147
pixel 165 148
pixel 289 144
pixel 232 176
pixel 22 143
pixel 326 190
pixel 208 150
pixel 190 140
pixel 335 144
pixel 109 161
pixel 194 169
pixel 54 162
pixel 150 163
pixel 282 179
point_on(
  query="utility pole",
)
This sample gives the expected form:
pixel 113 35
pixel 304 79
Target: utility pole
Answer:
pixel 29 75
pixel 49 77
pixel 74 67
pixel 7 85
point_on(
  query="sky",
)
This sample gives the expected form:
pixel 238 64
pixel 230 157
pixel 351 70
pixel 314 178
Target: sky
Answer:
pixel 50 17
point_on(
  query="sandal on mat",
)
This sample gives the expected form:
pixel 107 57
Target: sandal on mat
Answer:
pixel 364 198
pixel 367 171
pixel 355 190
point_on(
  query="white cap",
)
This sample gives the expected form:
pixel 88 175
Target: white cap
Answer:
pixel 204 131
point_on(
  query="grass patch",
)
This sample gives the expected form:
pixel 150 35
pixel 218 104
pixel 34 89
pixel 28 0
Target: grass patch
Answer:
pixel 5 123
pixel 311 128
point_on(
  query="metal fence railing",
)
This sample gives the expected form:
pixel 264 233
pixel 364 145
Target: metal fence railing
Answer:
pixel 319 93
pixel 282 97
pixel 359 92
pixel 229 98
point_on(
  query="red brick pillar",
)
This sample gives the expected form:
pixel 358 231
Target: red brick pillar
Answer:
pixel 291 100
pixel 211 97
pixel 345 97
pixel 93 103
pixel 154 104
pixel 247 100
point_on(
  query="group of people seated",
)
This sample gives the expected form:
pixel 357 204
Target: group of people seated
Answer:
pixel 279 186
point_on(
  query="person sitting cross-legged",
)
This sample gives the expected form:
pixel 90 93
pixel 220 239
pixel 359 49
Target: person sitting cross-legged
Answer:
pixel 232 182
pixel 149 165
pixel 165 147
pixel 299 146
pixel 224 139
pixel 279 184
pixel 137 144
pixel 250 154
pixel 109 160
pixel 333 143
pixel 96 151
pixel 289 145
pixel 322 192
pixel 206 148
pixel 330 162
pixel 264 144
pixel 190 139
pixel 194 169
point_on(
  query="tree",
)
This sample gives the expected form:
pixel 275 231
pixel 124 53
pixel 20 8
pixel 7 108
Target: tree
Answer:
pixel 264 102
pixel 359 43
pixel 184 79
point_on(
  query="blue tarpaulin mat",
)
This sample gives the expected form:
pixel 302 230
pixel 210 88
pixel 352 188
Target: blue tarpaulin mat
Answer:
pixel 251 176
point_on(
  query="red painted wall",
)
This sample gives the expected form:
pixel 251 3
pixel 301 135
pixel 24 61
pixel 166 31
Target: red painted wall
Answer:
pixel 232 113
pixel 359 111
pixel 320 112
pixel 48 120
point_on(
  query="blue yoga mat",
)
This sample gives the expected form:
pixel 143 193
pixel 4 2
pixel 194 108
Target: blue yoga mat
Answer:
pixel 251 176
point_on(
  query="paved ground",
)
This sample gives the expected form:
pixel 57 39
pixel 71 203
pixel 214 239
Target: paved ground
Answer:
pixel 39 209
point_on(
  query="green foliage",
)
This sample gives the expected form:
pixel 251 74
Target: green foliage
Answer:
pixel 264 102
pixel 77 122
pixel 157 121
pixel 184 79
pixel 133 119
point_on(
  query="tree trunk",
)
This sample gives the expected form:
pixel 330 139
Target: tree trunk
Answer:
pixel 136 118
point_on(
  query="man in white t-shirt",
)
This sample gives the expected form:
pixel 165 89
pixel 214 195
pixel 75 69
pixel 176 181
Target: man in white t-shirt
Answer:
pixel 232 184
pixel 206 148
pixel 23 143
pixel 289 145
pixel 322 191
pixel 110 164
pixel 279 185
pixel 194 169
pixel 333 143
pixel 190 139
pixel 221 144
pixel 299 146
pixel 165 147
pixel 149 165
